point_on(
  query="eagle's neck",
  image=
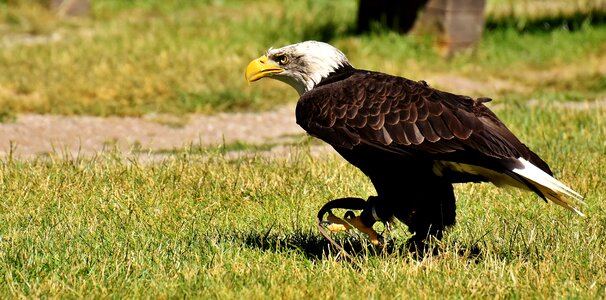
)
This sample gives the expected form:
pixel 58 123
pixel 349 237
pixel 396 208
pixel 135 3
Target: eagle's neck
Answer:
pixel 338 74
pixel 308 82
pixel 316 76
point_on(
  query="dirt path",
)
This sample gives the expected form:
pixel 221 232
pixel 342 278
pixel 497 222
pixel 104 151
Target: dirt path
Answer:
pixel 32 135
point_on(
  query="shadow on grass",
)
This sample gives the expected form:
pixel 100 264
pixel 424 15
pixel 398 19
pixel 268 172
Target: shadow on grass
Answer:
pixel 315 247
pixel 311 245
pixel 328 30
pixel 570 21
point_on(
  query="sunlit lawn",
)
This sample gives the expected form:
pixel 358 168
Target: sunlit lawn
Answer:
pixel 134 58
pixel 204 224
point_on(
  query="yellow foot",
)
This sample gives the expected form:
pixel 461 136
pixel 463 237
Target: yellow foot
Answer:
pixel 337 224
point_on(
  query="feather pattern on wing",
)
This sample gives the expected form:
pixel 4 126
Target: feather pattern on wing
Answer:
pixel 367 106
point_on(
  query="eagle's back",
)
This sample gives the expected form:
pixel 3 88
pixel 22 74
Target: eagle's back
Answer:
pixel 398 115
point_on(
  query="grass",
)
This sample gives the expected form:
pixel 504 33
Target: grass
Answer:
pixel 201 224
pixel 145 57
pixel 204 223
pixel 132 60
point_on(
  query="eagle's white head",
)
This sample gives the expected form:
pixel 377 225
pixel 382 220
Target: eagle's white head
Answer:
pixel 301 65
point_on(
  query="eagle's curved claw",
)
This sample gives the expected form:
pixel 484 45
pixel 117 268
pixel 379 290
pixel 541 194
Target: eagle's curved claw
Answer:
pixel 336 224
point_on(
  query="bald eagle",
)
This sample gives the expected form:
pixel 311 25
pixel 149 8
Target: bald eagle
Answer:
pixel 411 140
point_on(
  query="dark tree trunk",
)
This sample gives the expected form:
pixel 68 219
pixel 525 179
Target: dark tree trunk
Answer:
pixel 457 24
pixel 395 15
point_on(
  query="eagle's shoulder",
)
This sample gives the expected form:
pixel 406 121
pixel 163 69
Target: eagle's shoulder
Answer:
pixel 363 94
pixel 401 115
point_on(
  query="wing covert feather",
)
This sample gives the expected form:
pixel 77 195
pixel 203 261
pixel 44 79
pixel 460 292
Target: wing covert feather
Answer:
pixel 403 116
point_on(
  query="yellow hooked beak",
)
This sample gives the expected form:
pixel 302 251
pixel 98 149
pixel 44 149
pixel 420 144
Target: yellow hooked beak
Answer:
pixel 261 67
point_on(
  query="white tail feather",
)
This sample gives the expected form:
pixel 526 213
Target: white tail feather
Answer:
pixel 551 188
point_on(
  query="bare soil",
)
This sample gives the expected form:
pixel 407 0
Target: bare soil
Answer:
pixel 33 135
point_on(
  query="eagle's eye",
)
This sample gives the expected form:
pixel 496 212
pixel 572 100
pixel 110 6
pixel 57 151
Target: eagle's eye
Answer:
pixel 282 59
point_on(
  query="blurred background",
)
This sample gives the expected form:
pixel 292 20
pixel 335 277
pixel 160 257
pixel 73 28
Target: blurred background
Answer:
pixel 136 57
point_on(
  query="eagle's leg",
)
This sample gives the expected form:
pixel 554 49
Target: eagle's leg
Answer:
pixel 428 217
pixel 362 222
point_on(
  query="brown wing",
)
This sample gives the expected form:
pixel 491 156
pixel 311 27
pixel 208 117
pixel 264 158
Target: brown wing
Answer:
pixel 403 116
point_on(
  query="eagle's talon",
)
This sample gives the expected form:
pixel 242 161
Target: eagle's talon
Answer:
pixel 350 220
pixel 375 238
pixel 379 241
pixel 336 227
pixel 336 224
pixel 332 223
